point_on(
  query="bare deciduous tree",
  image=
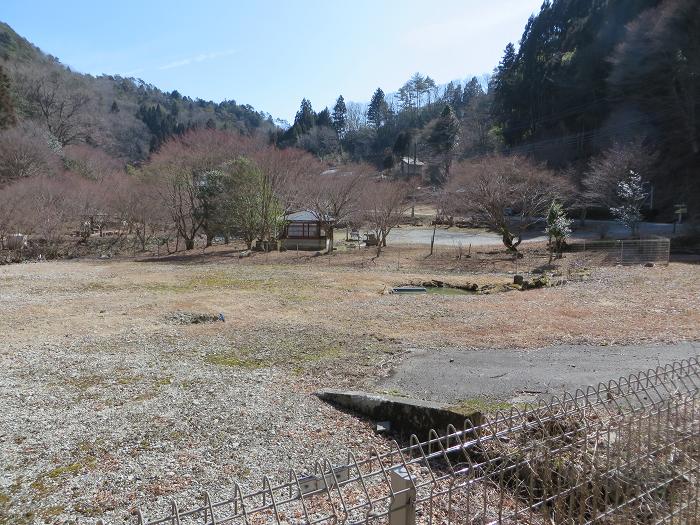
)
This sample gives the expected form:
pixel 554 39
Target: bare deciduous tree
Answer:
pixel 24 153
pixel 508 194
pixel 384 205
pixel 58 104
pixel 186 168
pixel 601 181
pixel 334 198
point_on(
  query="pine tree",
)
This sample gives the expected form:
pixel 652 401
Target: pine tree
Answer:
pixel 429 87
pixel 7 110
pixel 340 116
pixel 444 138
pixel 305 117
pixel 417 82
pixel 378 111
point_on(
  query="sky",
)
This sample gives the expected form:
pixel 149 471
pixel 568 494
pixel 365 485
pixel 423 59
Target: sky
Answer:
pixel 272 53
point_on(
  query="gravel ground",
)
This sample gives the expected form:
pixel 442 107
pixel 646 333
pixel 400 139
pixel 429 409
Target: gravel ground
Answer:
pixel 97 426
pixel 107 404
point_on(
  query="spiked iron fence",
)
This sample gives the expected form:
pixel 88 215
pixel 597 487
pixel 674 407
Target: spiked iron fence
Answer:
pixel 626 451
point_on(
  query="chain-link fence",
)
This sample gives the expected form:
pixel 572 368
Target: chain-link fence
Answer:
pixel 625 451
pixel 634 251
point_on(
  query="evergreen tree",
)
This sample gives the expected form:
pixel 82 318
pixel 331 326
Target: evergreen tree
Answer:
pixel 324 118
pixel 504 93
pixel 444 139
pixel 160 123
pixel 340 116
pixel 378 111
pixel 305 117
pixel 452 94
pixel 472 91
pixel 114 108
pixel 417 83
pixel 429 88
pixel 7 110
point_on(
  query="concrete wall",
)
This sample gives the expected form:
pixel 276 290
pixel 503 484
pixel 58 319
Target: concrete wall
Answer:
pixel 412 416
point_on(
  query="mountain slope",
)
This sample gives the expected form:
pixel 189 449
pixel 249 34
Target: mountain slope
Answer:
pixel 126 117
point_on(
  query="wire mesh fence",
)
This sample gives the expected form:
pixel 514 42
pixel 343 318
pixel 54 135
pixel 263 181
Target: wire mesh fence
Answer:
pixel 625 451
pixel 626 252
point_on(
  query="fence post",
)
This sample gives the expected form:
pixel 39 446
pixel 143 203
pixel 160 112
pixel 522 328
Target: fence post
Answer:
pixel 402 510
pixel 622 252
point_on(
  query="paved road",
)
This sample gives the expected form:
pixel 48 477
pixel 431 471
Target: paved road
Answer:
pixel 447 237
pixel 449 376
pixel 453 236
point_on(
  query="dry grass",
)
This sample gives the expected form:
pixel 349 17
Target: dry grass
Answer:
pixel 346 295
pixel 87 339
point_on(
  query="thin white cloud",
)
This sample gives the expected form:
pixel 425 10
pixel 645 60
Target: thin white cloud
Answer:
pixel 203 57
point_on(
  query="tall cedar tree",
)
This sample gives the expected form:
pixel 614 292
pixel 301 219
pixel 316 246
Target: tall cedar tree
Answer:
pixel 324 118
pixel 340 116
pixel 305 117
pixel 378 111
pixel 444 138
pixel 472 91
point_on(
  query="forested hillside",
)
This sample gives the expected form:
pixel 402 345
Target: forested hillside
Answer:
pixel 588 74
pixel 124 118
pixel 399 124
pixel 593 89
pixel 590 81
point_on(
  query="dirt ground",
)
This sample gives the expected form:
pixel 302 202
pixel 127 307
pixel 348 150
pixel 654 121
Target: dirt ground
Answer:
pixel 114 395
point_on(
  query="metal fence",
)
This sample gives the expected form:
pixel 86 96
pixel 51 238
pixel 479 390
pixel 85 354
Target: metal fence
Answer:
pixel 625 451
pixel 635 251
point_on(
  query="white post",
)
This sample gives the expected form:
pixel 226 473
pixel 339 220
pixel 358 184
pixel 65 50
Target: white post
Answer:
pixel 622 252
pixel 402 510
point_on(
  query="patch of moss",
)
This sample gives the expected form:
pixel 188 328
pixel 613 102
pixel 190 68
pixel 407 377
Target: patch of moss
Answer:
pixel 166 287
pixel 163 381
pixel 287 352
pixel 128 380
pixel 98 286
pixel 74 468
pixel 90 511
pixel 484 406
pixel 44 484
pixel 40 487
pixel 233 360
pixel 394 392
pixel 85 382
pixel 49 514
pixel 213 280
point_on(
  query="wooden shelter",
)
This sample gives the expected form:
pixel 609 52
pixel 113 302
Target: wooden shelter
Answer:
pixel 306 230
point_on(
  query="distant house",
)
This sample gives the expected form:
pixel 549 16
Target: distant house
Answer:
pixel 304 230
pixel 412 167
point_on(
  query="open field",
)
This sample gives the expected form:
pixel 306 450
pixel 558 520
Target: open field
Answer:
pixel 112 397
